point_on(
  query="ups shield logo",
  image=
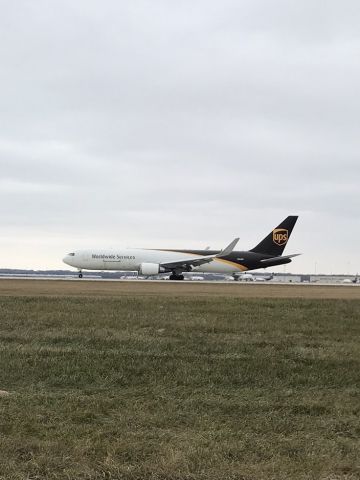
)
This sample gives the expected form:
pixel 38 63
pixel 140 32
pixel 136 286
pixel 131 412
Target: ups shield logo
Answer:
pixel 280 236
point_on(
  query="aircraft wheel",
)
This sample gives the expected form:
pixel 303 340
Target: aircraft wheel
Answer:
pixel 80 275
pixel 174 276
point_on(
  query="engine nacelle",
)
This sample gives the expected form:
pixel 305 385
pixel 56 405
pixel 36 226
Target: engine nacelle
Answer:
pixel 149 269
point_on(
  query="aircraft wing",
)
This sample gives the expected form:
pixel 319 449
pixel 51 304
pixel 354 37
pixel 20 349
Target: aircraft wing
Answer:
pixel 201 259
pixel 188 262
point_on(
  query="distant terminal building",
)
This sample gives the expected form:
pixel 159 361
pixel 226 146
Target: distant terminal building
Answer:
pixel 312 278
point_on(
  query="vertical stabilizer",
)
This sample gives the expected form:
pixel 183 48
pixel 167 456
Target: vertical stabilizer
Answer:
pixel 277 239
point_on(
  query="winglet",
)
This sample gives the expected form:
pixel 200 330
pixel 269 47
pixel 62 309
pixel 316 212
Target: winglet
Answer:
pixel 228 249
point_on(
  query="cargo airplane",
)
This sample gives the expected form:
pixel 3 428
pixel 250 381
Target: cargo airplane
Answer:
pixel 147 262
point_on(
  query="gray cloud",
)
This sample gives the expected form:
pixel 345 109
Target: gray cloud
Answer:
pixel 150 123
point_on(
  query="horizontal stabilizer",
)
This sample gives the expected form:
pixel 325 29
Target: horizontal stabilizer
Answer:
pixel 274 259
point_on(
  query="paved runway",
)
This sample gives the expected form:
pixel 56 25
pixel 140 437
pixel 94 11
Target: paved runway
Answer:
pixel 105 288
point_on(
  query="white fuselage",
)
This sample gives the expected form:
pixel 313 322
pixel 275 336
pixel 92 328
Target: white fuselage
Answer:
pixel 132 259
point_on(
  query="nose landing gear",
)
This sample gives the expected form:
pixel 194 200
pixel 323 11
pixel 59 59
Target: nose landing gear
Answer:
pixel 80 274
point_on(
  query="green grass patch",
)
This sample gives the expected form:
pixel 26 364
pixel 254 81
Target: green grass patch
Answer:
pixel 179 388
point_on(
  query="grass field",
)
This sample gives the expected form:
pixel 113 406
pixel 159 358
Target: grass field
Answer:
pixel 169 387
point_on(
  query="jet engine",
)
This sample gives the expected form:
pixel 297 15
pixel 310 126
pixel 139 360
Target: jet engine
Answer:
pixel 149 269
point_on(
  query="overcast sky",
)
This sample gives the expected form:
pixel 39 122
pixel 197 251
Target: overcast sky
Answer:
pixel 179 124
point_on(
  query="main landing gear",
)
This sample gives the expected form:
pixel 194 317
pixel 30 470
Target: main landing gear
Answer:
pixel 80 274
pixel 175 276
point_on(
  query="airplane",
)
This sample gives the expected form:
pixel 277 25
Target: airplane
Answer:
pixel 352 280
pixel 149 262
pixel 195 278
pixel 249 277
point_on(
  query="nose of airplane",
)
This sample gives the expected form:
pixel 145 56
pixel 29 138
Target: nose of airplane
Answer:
pixel 69 259
pixel 66 259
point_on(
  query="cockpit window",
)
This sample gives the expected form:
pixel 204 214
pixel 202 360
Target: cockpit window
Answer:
pixel 71 254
